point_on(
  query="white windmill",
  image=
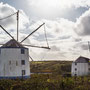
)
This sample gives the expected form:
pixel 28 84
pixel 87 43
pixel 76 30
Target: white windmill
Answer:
pixel 14 57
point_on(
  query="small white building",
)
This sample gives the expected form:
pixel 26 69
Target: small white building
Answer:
pixel 14 60
pixel 80 67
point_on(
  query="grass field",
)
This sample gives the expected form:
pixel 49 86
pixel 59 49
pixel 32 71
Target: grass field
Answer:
pixel 59 67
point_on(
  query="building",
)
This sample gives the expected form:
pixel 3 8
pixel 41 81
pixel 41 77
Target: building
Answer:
pixel 80 67
pixel 14 60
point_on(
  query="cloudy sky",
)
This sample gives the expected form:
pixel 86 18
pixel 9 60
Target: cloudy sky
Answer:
pixel 67 24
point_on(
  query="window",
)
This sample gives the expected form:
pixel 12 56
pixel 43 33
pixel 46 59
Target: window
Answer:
pixel 23 72
pixel 22 62
pixel 75 63
pixel 22 51
pixel 75 74
pixel 75 69
pixel 9 62
pixel 16 63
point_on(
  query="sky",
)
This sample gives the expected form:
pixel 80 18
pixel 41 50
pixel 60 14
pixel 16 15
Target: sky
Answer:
pixel 67 25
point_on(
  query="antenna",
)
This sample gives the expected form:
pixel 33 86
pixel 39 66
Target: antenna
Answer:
pixel 17 24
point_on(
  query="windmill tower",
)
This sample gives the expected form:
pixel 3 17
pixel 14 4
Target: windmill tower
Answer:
pixel 14 56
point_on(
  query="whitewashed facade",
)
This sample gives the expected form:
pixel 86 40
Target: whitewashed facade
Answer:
pixel 80 67
pixel 14 60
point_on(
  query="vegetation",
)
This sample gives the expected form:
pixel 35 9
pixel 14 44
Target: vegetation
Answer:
pixel 54 80
pixel 47 82
pixel 59 67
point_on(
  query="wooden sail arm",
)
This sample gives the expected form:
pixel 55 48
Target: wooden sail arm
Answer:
pixel 31 58
pixel 7 32
pixel 36 46
pixel 32 33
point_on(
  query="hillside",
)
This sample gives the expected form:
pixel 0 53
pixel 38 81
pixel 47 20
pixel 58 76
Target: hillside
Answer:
pixel 59 67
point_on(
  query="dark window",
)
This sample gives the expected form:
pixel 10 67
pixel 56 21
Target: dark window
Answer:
pixel 22 62
pixel 75 69
pixel 89 69
pixel 22 51
pixel 75 74
pixel 16 63
pixel 9 62
pixel 75 63
pixel 23 72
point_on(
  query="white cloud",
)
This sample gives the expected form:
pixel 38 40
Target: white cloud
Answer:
pixel 10 23
pixel 56 8
pixel 58 3
pixel 83 24
pixel 62 38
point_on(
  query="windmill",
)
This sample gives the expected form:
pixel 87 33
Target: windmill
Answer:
pixel 14 56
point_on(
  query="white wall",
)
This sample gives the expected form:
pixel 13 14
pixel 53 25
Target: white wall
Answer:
pixel 13 55
pixel 82 69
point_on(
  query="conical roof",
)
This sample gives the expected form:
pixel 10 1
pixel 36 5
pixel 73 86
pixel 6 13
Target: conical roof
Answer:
pixel 12 44
pixel 82 60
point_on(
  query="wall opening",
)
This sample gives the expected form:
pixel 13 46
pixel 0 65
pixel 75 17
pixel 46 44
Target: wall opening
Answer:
pixel 23 72
pixel 22 62
pixel 22 51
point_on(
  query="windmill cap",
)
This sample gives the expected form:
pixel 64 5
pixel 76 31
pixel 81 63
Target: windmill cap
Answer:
pixel 82 60
pixel 12 44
